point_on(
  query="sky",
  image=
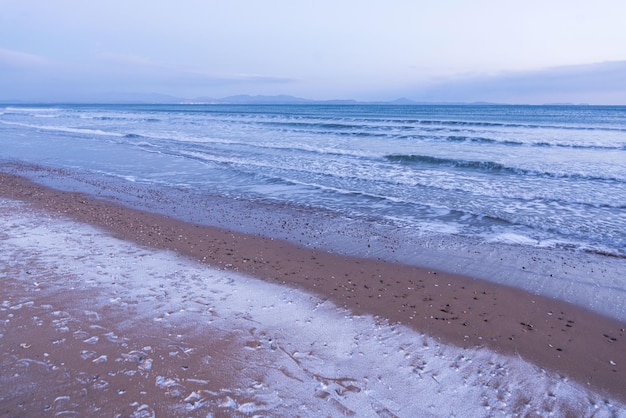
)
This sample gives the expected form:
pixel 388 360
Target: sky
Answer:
pixel 535 51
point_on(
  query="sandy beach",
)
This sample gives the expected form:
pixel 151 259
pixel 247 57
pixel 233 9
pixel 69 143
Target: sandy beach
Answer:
pixel 145 335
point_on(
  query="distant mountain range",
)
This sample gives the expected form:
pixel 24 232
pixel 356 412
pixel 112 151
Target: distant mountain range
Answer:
pixel 155 98
pixel 284 99
pixel 239 99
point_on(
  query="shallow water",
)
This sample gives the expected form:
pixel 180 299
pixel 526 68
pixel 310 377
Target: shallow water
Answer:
pixel 538 175
pixel 166 335
pixel 528 196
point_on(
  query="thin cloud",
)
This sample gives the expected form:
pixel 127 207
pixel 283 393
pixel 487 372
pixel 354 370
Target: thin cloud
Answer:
pixel 31 77
pixel 579 83
pixel 133 65
pixel 17 60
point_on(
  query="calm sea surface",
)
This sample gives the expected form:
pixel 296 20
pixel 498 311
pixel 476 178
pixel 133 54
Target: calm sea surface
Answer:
pixel 531 175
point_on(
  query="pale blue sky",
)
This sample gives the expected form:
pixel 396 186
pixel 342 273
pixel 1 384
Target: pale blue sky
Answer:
pixel 533 51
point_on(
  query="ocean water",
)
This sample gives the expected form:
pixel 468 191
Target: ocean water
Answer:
pixel 534 175
pixel 531 178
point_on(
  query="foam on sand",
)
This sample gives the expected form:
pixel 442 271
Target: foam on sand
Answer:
pixel 113 327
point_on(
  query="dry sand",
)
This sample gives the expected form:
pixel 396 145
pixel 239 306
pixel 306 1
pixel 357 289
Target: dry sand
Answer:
pixel 468 313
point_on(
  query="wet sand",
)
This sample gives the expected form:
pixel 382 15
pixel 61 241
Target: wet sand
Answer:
pixel 554 335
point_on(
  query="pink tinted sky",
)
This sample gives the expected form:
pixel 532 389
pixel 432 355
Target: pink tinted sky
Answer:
pixel 451 50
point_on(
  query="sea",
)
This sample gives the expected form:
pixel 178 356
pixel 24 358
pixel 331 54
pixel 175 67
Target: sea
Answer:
pixel 472 188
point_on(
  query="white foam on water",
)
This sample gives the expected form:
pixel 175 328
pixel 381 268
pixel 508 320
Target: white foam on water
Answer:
pixel 512 238
pixel 303 355
pixel 64 129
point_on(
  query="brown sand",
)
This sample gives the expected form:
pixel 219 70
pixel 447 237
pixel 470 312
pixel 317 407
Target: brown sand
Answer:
pixel 555 335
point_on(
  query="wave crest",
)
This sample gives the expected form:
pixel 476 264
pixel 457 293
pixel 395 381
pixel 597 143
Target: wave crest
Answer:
pixel 451 162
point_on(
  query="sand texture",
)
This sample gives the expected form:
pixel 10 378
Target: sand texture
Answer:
pixel 96 317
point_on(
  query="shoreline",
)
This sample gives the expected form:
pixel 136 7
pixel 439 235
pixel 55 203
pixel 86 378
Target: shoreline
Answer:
pixel 466 312
pixel 592 281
